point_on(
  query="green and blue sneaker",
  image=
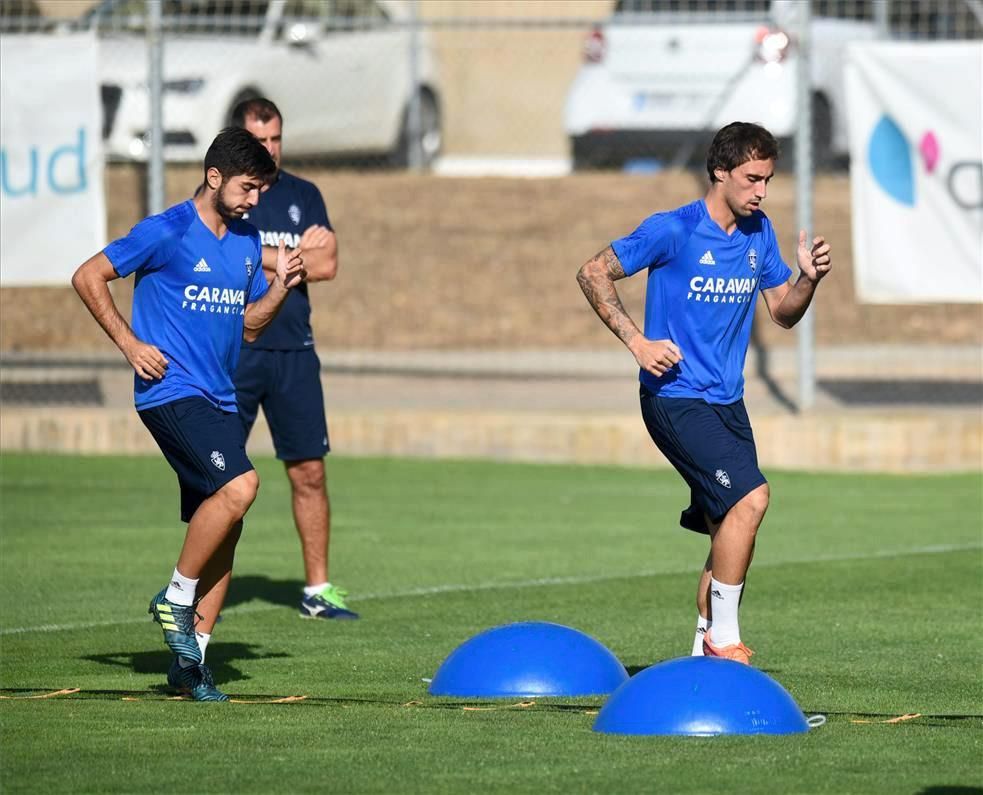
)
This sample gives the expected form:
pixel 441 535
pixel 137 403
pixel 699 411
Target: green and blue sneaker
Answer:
pixel 329 603
pixel 178 623
pixel 195 681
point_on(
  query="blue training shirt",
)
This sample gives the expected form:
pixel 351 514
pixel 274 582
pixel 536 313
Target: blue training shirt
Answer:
pixel 284 212
pixel 701 291
pixel 190 296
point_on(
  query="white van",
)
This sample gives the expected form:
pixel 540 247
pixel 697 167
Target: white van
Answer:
pixel 660 76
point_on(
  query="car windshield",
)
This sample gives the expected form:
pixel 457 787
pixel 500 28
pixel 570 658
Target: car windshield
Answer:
pixel 832 9
pixel 180 16
pixel 692 6
pixel 22 16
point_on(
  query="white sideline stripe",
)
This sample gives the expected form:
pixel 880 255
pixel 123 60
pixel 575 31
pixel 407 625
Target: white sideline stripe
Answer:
pixel 506 585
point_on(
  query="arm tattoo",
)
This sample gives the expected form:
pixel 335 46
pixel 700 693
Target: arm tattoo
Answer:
pixel 596 279
pixel 612 262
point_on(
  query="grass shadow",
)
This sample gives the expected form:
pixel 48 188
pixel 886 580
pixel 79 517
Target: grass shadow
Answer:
pixel 252 586
pixel 588 705
pixel 637 669
pixel 943 789
pixel 220 657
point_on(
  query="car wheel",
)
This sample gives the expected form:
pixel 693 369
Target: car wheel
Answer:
pixel 431 134
pixel 589 153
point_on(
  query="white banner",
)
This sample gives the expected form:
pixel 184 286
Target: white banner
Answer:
pixel 916 170
pixel 52 208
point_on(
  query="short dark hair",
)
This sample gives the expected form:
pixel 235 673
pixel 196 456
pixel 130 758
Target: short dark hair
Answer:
pixel 737 143
pixel 235 152
pixel 258 108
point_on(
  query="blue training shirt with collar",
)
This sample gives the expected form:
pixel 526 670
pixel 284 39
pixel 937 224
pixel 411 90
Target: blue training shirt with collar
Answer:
pixel 701 291
pixel 189 300
pixel 285 210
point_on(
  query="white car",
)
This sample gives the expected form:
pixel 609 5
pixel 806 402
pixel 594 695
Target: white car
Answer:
pixel 657 82
pixel 339 71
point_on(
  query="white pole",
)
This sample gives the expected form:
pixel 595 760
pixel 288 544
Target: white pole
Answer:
pixel 155 87
pixel 882 19
pixel 803 200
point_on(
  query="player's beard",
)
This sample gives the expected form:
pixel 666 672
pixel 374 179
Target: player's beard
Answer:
pixel 226 211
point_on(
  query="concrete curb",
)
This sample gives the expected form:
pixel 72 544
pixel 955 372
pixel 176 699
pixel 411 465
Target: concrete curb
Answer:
pixel 871 361
pixel 858 441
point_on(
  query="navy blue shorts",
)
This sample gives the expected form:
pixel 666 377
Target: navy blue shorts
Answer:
pixel 203 444
pixel 287 384
pixel 711 446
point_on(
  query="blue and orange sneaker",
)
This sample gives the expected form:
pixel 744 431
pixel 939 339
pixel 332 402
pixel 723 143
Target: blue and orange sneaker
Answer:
pixel 178 623
pixel 329 603
pixel 195 681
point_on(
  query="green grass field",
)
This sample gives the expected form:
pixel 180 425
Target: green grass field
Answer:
pixel 864 602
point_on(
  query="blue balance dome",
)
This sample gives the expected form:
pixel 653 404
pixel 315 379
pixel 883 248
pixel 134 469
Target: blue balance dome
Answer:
pixel 530 658
pixel 701 696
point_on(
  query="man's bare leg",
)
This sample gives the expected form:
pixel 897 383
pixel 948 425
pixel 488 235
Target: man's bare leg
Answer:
pixel 213 522
pixel 703 617
pixel 205 563
pixel 312 515
pixel 733 543
pixel 704 611
pixel 214 583
pixel 703 606
pixel 731 551
pixel 210 543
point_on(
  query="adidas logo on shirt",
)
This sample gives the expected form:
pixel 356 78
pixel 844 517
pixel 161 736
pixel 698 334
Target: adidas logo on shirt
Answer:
pixel 202 266
pixel 706 259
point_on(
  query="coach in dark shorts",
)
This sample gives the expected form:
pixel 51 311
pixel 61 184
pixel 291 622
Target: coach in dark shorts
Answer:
pixel 706 264
pixel 281 371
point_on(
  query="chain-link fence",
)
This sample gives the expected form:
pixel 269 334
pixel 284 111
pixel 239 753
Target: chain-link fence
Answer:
pixel 467 88
pixel 339 70
pixel 389 83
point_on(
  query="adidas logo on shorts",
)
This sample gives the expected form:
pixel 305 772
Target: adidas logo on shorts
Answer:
pixel 202 266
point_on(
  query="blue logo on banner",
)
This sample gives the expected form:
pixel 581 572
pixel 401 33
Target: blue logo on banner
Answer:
pixel 63 169
pixel 889 154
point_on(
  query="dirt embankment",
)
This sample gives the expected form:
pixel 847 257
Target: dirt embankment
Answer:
pixel 429 263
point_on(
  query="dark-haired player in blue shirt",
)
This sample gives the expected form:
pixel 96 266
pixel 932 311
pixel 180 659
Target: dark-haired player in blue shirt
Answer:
pixel 706 263
pixel 199 291
pixel 281 371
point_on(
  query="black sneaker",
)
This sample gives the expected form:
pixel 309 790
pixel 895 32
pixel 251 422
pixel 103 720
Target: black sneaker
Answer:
pixel 195 681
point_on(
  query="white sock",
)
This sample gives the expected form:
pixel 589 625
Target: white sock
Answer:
pixel 311 590
pixel 725 600
pixel 181 590
pixel 702 625
pixel 203 638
